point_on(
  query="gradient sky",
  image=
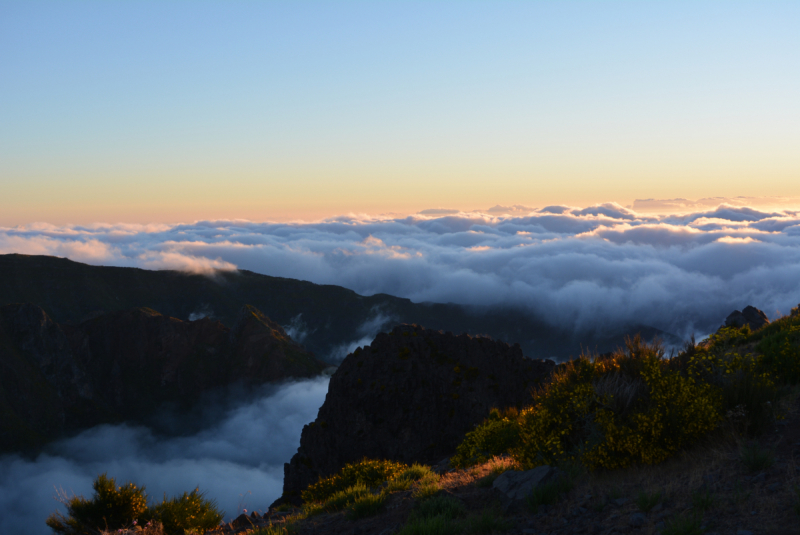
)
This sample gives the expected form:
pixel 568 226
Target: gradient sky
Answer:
pixel 178 111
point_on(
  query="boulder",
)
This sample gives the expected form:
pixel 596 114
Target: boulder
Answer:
pixel 410 396
pixel 749 316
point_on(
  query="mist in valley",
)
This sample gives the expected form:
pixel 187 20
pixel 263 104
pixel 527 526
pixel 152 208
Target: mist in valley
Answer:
pixel 233 449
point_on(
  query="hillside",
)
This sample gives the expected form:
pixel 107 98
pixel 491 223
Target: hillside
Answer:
pixel 331 316
pixel 124 366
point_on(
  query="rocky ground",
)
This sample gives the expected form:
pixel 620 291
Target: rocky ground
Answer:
pixel 710 482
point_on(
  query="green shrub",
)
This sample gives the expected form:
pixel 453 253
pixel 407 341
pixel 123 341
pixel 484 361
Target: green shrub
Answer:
pixel 112 507
pixel 339 500
pixel 498 434
pixel 749 400
pixel 426 489
pixel 440 506
pixel 366 506
pixel 415 472
pixel 435 516
pixel 116 507
pixel 406 479
pixel 371 473
pixel 398 484
pixel 437 525
pixel 781 351
pixel 187 513
pixel 631 407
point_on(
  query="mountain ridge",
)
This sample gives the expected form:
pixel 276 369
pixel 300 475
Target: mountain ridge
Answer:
pixel 332 316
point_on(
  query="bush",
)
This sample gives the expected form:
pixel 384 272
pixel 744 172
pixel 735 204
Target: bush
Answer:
pixel 371 473
pixel 630 407
pixel 498 434
pixel 112 507
pixel 187 513
pixel 366 506
pixel 440 506
pixel 438 525
pixel 426 487
pixel 117 507
pixel 748 400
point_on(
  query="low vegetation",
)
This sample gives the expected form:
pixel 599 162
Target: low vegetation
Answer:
pixel 600 415
pixel 636 406
pixel 120 507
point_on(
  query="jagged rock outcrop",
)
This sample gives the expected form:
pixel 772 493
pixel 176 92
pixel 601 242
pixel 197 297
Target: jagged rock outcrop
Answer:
pixel 410 396
pixel 749 316
pixel 124 365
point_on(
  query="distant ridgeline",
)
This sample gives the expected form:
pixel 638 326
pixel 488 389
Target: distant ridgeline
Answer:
pixel 82 345
pixel 332 316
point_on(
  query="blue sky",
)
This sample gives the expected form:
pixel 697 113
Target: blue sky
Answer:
pixel 170 111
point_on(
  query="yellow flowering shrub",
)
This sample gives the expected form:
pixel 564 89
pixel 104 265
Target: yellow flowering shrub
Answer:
pixel 635 406
pixel 613 411
pixel 675 412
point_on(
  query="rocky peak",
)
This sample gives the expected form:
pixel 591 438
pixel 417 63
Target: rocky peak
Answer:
pixel 410 396
pixel 261 348
pixel 749 316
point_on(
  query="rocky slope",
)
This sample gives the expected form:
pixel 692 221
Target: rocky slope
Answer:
pixel 410 396
pixel 122 366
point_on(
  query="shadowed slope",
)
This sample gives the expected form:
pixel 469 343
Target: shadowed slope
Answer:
pixel 125 365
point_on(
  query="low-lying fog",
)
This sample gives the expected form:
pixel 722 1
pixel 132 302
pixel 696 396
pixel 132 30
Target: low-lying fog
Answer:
pixel 235 453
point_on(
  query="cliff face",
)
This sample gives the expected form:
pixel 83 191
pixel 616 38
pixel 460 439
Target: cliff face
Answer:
pixel 410 396
pixel 124 365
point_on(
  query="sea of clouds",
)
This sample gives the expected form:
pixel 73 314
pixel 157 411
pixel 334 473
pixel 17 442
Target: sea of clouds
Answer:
pixel 588 268
pixel 235 453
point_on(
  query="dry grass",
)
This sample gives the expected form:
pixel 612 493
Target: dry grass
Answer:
pixel 469 476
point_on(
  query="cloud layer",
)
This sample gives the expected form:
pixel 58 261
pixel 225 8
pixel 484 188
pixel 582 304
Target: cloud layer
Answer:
pixel 588 268
pixel 236 457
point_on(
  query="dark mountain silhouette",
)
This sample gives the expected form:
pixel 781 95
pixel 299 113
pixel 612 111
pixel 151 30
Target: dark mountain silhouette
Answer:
pixel 124 366
pixel 71 292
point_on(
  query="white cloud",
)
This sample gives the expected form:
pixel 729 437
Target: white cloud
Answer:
pixel 236 457
pixel 587 268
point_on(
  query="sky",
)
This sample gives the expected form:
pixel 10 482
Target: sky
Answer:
pixel 593 163
pixel 174 112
